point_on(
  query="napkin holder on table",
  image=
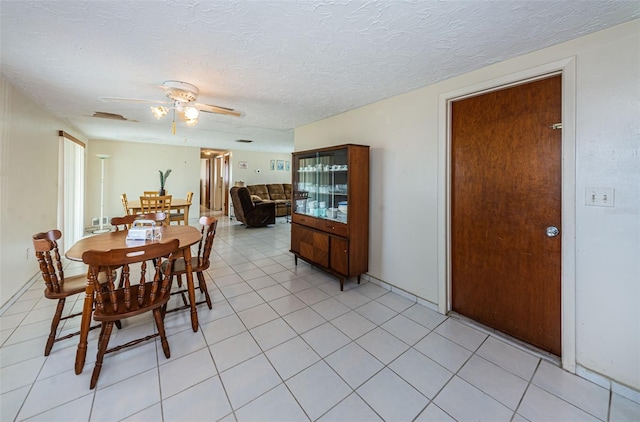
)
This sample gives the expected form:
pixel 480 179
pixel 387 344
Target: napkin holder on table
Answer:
pixel 144 230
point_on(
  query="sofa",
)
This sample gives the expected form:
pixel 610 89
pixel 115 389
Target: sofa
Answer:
pixel 278 193
pixel 251 214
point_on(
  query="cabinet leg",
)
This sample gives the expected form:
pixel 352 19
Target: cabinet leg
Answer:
pixel 341 284
pixel 295 259
pixel 358 279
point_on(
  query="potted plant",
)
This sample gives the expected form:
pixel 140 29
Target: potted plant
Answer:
pixel 163 178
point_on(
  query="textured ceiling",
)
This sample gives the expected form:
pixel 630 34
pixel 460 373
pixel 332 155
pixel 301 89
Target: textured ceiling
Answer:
pixel 282 63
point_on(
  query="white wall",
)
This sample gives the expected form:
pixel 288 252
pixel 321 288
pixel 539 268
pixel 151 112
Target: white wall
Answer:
pixel 134 168
pixel 28 184
pixel 258 161
pixel 403 133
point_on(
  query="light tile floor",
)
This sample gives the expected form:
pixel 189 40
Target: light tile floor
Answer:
pixel 283 343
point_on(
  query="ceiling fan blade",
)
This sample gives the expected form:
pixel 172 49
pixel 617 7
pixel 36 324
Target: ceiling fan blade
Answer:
pixel 208 108
pixel 133 100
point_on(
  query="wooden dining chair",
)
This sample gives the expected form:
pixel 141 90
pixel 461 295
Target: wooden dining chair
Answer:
pixel 125 222
pixel 179 216
pixel 151 193
pixel 199 263
pixel 57 285
pixel 149 293
pixel 125 204
pixel 154 204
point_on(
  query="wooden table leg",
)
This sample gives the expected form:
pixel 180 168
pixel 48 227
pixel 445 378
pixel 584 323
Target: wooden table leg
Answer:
pixel 191 288
pixel 85 324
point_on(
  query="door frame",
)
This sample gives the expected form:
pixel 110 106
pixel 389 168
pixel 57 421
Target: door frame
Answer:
pixel 567 67
pixel 226 181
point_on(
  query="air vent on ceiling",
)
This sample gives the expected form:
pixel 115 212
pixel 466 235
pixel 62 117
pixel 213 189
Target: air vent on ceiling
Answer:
pixel 112 116
pixel 244 141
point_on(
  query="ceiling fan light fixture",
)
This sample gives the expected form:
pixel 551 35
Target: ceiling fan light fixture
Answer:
pixel 183 98
pixel 191 113
pixel 159 112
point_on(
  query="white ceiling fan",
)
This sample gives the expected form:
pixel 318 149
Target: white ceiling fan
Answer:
pixel 182 100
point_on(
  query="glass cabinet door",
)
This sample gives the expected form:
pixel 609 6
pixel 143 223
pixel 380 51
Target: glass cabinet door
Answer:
pixel 320 184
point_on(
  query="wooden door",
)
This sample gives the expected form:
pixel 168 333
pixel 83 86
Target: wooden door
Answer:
pixel 205 184
pixel 219 184
pixel 505 193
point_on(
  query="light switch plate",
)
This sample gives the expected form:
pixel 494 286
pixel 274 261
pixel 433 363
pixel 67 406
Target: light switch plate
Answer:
pixel 599 197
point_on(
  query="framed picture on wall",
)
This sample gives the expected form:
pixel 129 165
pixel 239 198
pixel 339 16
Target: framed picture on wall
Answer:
pixel 272 165
pixel 286 166
pixel 243 165
pixel 280 164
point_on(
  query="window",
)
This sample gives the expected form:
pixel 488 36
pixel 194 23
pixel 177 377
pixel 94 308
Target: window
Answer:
pixel 71 189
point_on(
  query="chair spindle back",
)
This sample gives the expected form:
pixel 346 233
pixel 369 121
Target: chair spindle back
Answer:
pixel 109 296
pixel 46 249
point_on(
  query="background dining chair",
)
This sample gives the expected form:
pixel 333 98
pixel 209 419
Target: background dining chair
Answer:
pixel 151 193
pixel 179 216
pixel 57 286
pixel 154 204
pixel 125 204
pixel 114 303
pixel 199 263
pixel 125 222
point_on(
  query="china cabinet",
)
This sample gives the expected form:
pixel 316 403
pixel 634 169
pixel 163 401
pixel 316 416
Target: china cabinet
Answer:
pixel 330 209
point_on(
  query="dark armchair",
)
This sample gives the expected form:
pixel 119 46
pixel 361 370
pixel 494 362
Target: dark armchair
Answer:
pixel 250 213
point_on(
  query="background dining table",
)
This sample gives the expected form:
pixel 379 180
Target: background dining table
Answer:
pixel 176 204
pixel 187 236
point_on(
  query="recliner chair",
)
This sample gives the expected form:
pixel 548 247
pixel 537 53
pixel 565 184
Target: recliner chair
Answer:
pixel 252 214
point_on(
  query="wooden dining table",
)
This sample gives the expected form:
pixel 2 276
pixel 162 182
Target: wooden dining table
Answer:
pixel 176 204
pixel 187 236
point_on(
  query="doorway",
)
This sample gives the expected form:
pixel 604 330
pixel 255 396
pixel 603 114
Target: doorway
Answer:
pixel 506 183
pixel 213 179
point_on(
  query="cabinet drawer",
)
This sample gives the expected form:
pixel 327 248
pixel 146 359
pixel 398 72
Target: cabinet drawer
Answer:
pixel 332 227
pixel 305 220
pixel 327 226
